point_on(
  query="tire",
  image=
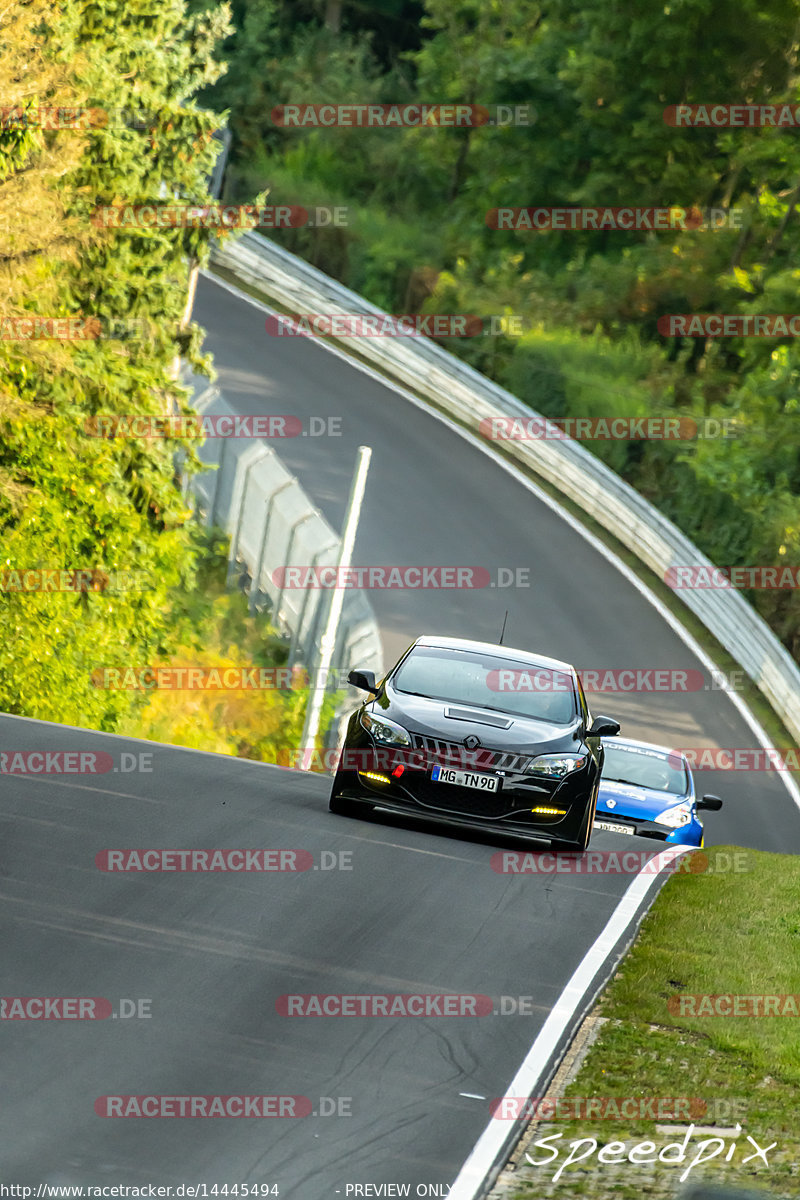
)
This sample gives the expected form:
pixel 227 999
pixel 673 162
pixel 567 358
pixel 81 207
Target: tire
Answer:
pixel 341 805
pixel 582 844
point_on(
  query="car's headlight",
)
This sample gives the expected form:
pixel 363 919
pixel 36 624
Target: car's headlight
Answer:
pixel 555 765
pixel 679 814
pixel 384 731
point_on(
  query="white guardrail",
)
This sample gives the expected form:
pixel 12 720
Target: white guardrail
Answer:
pixel 470 397
pixel 273 523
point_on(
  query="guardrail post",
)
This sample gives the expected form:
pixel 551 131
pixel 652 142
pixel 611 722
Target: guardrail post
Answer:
pixel 295 643
pixel 288 556
pixel 220 467
pixel 233 551
pixel 251 598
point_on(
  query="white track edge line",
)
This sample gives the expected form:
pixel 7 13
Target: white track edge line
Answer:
pixel 489 1146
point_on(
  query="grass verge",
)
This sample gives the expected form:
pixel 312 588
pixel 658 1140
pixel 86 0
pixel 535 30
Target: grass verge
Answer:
pixel 707 934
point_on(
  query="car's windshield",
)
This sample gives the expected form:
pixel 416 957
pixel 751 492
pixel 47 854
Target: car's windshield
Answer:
pixel 655 769
pixel 485 681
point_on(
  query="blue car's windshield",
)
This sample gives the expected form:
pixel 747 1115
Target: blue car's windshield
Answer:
pixel 486 681
pixel 643 767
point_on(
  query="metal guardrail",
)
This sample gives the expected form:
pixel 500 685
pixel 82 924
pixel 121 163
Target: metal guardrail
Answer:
pixel 467 395
pixel 272 523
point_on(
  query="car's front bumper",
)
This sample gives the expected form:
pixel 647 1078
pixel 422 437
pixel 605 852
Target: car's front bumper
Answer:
pixel 685 835
pixel 375 776
pixel 504 826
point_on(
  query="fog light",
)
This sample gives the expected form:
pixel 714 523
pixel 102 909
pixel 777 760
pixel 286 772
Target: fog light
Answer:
pixel 375 777
pixel 549 812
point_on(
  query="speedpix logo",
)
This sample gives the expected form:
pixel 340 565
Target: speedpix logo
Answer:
pixel 643 1153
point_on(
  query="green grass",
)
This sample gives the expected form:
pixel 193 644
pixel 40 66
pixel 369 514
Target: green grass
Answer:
pixel 706 933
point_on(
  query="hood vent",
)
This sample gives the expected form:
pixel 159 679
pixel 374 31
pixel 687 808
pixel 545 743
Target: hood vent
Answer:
pixel 478 717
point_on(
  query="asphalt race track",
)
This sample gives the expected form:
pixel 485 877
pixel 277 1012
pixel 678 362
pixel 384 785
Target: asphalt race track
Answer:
pixel 407 910
pixel 432 498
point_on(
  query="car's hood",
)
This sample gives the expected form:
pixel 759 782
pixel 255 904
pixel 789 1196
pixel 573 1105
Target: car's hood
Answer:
pixel 627 800
pixel 428 717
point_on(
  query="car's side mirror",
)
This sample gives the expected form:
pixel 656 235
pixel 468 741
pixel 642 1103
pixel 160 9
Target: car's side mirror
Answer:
pixel 713 803
pixel 603 727
pixel 364 680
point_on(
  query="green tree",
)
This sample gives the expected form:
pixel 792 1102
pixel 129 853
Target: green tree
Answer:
pixel 69 500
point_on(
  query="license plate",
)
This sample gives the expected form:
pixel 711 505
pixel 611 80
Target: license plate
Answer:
pixel 613 828
pixel 483 783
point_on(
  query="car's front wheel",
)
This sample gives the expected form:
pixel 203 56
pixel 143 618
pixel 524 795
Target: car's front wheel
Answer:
pixel 342 805
pixel 585 834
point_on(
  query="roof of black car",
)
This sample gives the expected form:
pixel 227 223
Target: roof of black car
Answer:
pixel 511 653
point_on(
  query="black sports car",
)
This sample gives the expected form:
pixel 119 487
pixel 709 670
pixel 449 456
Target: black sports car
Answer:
pixel 478 735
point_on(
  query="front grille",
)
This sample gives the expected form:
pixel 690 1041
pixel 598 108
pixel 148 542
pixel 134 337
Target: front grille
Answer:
pixel 456 754
pixel 462 800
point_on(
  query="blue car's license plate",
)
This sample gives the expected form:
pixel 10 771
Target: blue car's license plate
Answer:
pixel 613 828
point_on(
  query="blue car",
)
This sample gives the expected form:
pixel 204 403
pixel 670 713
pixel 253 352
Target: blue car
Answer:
pixel 648 790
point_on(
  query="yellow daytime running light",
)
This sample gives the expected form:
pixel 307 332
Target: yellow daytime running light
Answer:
pixel 375 776
pixel 551 812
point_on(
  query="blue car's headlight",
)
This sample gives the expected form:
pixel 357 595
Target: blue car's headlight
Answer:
pixel 679 814
pixel 556 766
pixel 388 733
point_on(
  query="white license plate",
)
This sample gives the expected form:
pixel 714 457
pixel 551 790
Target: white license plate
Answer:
pixel 484 783
pixel 613 828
